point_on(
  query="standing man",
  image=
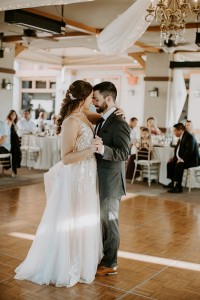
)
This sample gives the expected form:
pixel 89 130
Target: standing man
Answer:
pixel 186 155
pixel 111 156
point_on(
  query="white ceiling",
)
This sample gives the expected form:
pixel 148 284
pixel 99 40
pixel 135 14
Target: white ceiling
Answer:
pixel 83 50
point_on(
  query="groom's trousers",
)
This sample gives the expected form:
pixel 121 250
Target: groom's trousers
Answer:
pixel 110 230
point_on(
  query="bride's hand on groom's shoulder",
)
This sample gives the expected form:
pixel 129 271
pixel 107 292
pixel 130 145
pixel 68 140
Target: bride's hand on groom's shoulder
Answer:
pixel 120 112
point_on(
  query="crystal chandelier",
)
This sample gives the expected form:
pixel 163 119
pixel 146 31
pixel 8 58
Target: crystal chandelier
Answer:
pixel 171 14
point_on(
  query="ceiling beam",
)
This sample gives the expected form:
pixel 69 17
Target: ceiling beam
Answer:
pixel 71 24
pixel 12 38
pixel 17 38
pixel 7 71
pixel 148 48
pixel 138 56
pixel 156 28
pixel 19 48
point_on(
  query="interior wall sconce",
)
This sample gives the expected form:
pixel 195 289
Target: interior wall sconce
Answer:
pixel 131 92
pixel 154 93
pixel 6 84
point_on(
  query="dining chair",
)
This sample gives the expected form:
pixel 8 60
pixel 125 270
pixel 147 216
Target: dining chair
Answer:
pixel 6 161
pixel 191 178
pixel 147 167
pixel 29 152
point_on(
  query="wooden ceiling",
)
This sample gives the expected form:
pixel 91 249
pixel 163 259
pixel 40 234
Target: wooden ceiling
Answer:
pixel 84 21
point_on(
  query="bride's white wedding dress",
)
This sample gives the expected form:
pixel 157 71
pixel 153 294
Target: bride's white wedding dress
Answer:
pixel 67 246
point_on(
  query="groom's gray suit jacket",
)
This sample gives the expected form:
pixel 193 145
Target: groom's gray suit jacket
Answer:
pixel 115 134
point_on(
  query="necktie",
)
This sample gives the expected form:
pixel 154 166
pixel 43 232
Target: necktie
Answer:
pixel 99 125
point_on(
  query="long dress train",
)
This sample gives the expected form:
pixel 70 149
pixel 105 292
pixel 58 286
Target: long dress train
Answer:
pixel 67 246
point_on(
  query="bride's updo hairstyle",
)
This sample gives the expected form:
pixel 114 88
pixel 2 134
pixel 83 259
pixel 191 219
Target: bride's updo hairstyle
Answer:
pixel 78 91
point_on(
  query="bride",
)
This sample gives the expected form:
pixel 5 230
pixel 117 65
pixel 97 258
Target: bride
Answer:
pixel 67 246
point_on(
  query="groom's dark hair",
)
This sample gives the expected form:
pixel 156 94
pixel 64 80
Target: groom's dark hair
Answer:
pixel 106 88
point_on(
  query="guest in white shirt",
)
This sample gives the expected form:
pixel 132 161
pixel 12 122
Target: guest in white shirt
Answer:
pixel 53 120
pixel 41 121
pixel 25 124
pixel 134 135
pixel 5 144
pixel 189 126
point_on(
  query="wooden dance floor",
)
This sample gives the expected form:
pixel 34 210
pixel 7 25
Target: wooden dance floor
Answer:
pixel 159 255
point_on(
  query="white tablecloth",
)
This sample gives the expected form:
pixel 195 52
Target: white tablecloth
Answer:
pixel 49 153
pixel 163 154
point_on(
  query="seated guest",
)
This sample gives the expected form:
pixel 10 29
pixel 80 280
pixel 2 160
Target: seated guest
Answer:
pixel 186 155
pixel 134 136
pixel 5 144
pixel 25 124
pixel 38 111
pixel 151 124
pixel 41 121
pixel 189 126
pixel 144 147
pixel 53 121
pixel 12 120
pixel 145 143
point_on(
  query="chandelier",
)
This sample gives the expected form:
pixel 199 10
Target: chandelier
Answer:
pixel 171 15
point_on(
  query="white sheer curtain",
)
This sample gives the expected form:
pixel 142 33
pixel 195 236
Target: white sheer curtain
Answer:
pixel 16 4
pixel 124 31
pixel 177 98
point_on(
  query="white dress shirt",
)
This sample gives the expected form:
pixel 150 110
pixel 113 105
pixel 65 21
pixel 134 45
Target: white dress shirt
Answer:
pixel 25 126
pixel 177 151
pixel 5 131
pixel 134 135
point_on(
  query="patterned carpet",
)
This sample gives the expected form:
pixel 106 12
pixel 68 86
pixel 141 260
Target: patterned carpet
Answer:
pixel 24 177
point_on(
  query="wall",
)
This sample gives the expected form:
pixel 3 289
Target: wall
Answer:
pixel 157 74
pixel 33 71
pixel 130 84
pixel 130 96
pixel 6 96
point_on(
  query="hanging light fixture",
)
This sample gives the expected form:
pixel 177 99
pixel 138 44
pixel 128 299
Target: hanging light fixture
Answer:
pixel 171 15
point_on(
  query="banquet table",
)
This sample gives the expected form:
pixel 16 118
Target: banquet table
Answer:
pixel 49 153
pixel 163 153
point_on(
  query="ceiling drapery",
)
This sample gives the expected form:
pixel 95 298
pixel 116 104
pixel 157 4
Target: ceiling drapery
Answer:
pixel 124 31
pixel 17 4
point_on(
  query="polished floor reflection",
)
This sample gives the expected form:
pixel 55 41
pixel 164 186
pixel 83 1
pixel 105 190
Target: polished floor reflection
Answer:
pixel 159 255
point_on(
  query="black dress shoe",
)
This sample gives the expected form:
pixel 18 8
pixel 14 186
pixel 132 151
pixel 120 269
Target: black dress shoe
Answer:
pixel 169 186
pixel 175 190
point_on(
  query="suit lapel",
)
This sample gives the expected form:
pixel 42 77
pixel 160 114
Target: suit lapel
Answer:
pixel 107 122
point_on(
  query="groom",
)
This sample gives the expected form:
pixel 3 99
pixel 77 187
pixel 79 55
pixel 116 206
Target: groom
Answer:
pixel 111 156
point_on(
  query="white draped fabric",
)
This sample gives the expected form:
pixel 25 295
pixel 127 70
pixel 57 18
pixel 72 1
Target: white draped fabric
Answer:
pixel 123 32
pixel 17 4
pixel 177 98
